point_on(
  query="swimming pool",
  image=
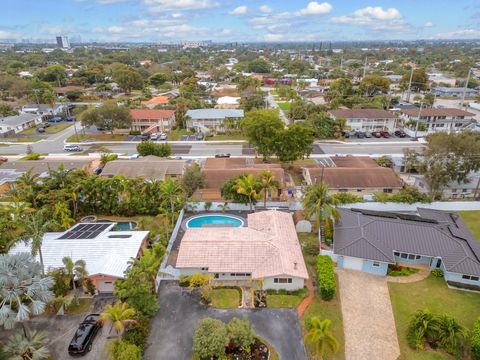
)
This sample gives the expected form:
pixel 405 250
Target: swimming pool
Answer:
pixel 214 220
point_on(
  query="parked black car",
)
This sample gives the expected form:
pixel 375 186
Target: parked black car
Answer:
pixel 360 134
pixel 400 133
pixel 345 134
pixel 83 339
pixel 145 137
pixel 222 155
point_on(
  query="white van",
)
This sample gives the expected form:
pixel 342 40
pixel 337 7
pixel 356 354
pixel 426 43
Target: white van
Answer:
pixel 68 147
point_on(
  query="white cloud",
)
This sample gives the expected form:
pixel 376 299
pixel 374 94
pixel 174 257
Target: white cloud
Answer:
pixel 156 6
pixel 428 24
pixel 460 34
pixel 265 9
pixel 314 8
pixel 273 37
pixel 115 29
pixel 239 10
pixel 369 15
pixel 7 35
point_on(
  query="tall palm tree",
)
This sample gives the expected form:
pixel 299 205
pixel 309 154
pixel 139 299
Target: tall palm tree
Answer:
pixel 119 315
pixel 29 346
pixel 317 201
pixel 35 226
pixel 249 186
pixel 23 290
pixel 268 183
pixel 77 269
pixel 321 335
pixel 450 334
pixel 26 188
pixel 173 195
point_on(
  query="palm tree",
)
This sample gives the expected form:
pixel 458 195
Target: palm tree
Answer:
pixel 173 193
pixel 119 315
pixel 249 186
pixel 450 334
pixel 321 335
pixel 423 327
pixel 268 184
pixel 317 201
pixel 30 346
pixel 23 290
pixel 74 270
pixel 35 226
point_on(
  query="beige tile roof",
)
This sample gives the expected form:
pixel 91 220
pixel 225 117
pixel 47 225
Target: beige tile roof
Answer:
pixel 148 167
pixel 268 247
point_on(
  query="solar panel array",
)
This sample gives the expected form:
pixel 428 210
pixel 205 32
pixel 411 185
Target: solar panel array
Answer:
pixel 393 215
pixel 85 231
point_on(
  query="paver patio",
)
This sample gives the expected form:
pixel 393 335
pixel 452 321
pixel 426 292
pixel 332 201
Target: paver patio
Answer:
pixel 368 320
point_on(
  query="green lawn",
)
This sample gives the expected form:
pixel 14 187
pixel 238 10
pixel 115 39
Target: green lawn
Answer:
pixel 53 129
pixel 283 301
pixel 29 131
pixel 83 307
pixel 24 139
pixel 225 298
pixel 309 243
pixel 284 105
pixel 472 218
pixel 433 294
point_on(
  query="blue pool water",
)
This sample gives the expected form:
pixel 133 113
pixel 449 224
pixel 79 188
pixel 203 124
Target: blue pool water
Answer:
pixel 218 220
pixel 122 225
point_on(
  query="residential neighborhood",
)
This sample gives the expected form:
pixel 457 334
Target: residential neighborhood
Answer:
pixel 239 180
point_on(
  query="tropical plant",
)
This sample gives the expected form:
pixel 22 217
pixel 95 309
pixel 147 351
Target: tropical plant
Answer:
pixel 210 339
pixel 321 335
pixel 28 346
pixel 23 290
pixel 240 332
pixel 193 179
pixel 35 226
pixel 268 183
pixel 249 186
pixel 119 316
pixel 421 329
pixel 77 269
pixel 224 207
pixel 319 203
pixel 451 335
pixel 475 346
pixel 122 350
pixel 326 277
pixel 174 196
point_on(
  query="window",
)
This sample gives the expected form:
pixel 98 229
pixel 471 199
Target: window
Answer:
pixel 388 190
pixel 376 264
pixel 411 257
pixel 417 257
pixel 470 277
pixel 282 280
pixel 342 190
pixel 205 269
pixel 404 256
pixel 359 190
pixel 396 253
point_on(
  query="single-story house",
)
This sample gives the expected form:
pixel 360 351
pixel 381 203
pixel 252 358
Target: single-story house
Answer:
pixel 453 190
pixel 10 125
pixel 155 101
pixel 204 120
pixel 44 109
pixel 369 241
pixel 367 119
pixel 356 175
pixel 98 245
pixel 440 119
pixel 218 170
pixel 152 120
pixel 454 91
pixel 266 250
pixel 147 167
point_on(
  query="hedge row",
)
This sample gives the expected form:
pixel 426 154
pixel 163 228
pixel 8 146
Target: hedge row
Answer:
pixel 326 277
pixel 476 340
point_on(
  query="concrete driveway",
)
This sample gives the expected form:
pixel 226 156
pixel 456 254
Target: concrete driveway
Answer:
pixel 368 321
pixel 172 329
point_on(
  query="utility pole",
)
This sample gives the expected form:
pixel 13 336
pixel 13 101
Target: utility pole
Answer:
pixel 409 86
pixel 465 88
pixel 418 120
pixel 364 67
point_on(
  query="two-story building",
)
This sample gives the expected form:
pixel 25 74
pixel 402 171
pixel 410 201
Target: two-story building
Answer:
pixel 204 120
pixel 439 119
pixel 367 119
pixel 152 120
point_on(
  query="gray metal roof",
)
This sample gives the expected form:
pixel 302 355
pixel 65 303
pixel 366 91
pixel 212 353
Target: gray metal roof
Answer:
pixel 17 120
pixel 376 235
pixel 199 114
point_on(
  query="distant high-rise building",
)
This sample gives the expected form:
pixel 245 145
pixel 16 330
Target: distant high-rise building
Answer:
pixel 62 42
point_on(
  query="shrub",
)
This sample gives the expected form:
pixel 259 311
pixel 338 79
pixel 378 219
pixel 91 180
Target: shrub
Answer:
pixel 122 350
pixel 210 339
pixel 137 334
pixel 90 287
pixel 150 148
pixel 476 340
pixel 31 156
pixel 326 277
pixel 437 273
pixel 135 132
pixel 184 281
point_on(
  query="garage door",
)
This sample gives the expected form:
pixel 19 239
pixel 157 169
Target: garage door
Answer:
pixel 104 286
pixel 352 263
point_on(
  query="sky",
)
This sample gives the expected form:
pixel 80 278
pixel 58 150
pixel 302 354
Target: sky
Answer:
pixel 242 20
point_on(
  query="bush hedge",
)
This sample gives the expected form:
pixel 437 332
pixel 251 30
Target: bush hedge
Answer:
pixel 326 277
pixel 476 340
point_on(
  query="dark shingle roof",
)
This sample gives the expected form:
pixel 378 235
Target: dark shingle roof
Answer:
pixel 376 235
